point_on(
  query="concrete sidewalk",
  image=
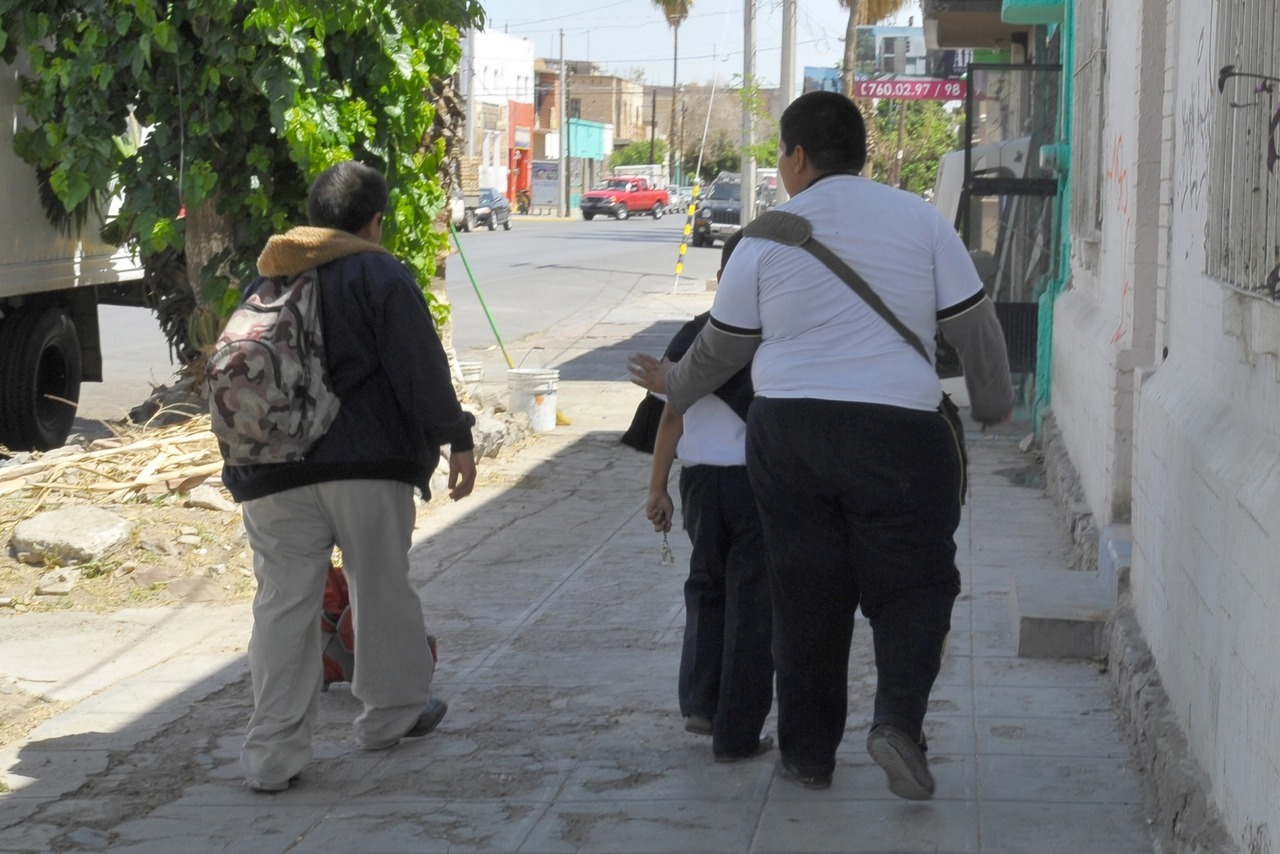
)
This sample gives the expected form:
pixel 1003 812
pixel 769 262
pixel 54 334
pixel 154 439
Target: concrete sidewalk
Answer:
pixel 559 642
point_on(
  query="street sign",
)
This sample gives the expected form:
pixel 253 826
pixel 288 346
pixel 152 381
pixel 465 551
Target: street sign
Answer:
pixel 911 89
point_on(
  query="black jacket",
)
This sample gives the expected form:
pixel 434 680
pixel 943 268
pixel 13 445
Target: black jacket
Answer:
pixel 386 365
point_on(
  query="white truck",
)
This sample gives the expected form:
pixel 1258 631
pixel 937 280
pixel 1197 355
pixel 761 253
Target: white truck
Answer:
pixel 51 285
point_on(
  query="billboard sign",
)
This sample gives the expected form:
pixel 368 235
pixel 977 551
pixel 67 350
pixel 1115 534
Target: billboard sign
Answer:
pixel 911 89
pixel 545 191
pixel 817 79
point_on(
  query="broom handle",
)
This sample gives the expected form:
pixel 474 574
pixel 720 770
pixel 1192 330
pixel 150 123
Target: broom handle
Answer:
pixel 480 296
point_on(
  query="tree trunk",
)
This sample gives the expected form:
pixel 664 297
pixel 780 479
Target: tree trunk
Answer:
pixel 847 79
pixel 208 233
pixel 850 48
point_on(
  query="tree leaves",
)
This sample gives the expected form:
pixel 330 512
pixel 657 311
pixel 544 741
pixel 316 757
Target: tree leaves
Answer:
pixel 243 103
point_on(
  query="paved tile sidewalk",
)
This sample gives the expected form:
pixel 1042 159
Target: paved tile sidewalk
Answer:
pixel 559 638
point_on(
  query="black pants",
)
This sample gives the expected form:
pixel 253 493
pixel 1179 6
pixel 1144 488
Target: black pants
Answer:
pixel 726 672
pixel 860 503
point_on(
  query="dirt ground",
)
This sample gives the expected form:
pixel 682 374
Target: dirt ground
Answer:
pixel 177 553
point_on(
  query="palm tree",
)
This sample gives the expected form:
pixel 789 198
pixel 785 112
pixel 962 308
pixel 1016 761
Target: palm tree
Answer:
pixel 861 11
pixel 675 11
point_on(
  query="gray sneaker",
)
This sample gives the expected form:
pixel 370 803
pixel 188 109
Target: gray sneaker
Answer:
pixel 903 761
pixel 427 721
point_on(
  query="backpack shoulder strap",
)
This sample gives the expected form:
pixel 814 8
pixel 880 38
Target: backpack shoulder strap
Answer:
pixel 794 230
pixel 780 227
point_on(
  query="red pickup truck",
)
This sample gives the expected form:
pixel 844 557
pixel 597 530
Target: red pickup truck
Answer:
pixel 623 196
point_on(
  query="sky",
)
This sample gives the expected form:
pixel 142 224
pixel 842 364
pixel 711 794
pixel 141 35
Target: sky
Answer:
pixel 622 36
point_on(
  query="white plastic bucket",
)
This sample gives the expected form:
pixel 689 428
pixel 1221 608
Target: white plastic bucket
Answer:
pixel 533 392
pixel 472 372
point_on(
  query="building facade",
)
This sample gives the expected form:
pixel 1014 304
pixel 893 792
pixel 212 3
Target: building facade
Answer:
pixel 496 80
pixel 1166 378
pixel 1161 371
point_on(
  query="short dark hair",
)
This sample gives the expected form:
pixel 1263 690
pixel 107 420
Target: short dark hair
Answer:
pixel 830 128
pixel 730 243
pixel 347 196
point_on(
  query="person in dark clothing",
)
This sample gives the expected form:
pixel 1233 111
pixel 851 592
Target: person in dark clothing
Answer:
pixel 856 471
pixel 354 489
pixel 726 670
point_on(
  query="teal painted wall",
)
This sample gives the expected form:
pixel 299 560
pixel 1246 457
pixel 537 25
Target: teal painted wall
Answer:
pixel 1062 261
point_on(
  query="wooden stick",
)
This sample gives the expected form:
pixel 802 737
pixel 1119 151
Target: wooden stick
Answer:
pixel 14 472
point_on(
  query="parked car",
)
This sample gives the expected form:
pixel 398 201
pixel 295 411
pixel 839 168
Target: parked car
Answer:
pixel 680 199
pixel 493 210
pixel 719 210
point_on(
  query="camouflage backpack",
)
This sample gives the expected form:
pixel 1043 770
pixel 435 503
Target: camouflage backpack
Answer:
pixel 269 393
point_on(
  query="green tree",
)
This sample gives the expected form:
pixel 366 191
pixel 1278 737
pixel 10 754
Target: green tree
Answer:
pixel 860 12
pixel 639 153
pixel 243 103
pixel 766 126
pixel 929 131
pixel 675 11
pixel 723 153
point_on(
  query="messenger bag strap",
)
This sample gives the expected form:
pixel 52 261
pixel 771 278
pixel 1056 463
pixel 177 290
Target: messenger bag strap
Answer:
pixel 794 230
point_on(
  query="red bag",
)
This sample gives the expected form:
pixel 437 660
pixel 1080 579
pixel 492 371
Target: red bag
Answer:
pixel 338 649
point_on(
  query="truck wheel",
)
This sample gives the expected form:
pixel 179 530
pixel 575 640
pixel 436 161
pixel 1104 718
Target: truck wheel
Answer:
pixel 492 221
pixel 40 380
pixel 697 239
pixel 622 213
pixel 588 217
pixel 658 210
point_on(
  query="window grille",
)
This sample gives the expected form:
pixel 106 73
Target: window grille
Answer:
pixel 1244 175
pixel 1088 165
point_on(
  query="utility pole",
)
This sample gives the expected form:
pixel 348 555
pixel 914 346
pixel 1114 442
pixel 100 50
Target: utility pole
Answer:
pixel 748 188
pixel 678 176
pixel 675 81
pixel 787 80
pixel 653 124
pixel 471 93
pixel 563 111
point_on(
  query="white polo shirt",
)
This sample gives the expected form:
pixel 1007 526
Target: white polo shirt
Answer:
pixel 818 338
pixel 713 434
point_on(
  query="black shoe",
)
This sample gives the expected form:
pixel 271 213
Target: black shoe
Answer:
pixel 697 724
pixel 763 746
pixel 903 761
pixel 810 781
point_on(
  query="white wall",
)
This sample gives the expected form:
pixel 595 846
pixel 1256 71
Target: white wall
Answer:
pixel 1102 331
pixel 1205 468
pixel 503 67
pixel 496 69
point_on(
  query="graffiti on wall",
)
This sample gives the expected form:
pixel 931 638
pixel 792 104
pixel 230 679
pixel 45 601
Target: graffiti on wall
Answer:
pixel 1117 177
pixel 1194 125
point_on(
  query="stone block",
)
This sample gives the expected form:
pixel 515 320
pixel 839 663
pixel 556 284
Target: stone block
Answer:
pixel 1115 556
pixel 1059 614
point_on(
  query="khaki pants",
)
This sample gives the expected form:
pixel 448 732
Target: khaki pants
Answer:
pixel 292 534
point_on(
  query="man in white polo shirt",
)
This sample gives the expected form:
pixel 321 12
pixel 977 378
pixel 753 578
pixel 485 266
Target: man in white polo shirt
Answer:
pixel 857 474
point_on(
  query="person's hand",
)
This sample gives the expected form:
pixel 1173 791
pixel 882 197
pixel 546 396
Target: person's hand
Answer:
pixel 462 474
pixel 648 372
pixel 658 510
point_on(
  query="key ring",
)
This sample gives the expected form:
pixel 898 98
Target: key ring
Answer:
pixel 666 557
